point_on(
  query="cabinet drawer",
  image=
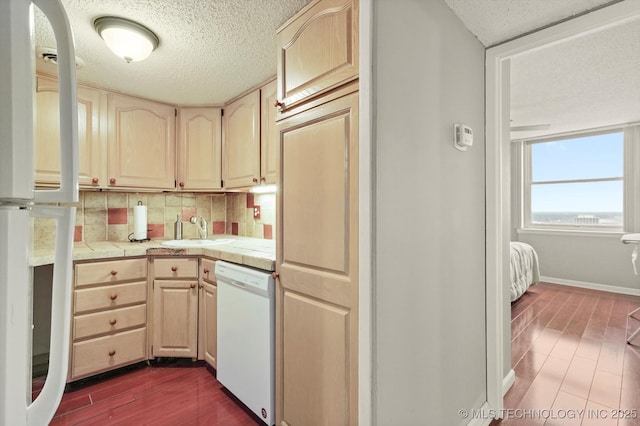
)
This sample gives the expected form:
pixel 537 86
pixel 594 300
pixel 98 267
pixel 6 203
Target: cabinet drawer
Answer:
pixel 208 270
pixel 105 353
pixel 113 296
pixel 111 271
pixel 109 321
pixel 176 268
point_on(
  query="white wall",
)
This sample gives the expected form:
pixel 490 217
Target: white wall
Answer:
pixel 429 260
pixel 584 259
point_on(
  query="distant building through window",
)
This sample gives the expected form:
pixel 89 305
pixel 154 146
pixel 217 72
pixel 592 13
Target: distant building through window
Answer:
pixel 575 182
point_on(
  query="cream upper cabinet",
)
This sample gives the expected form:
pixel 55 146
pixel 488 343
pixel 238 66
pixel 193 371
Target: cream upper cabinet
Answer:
pixel 317 51
pixel 317 262
pixel 268 134
pixel 199 149
pixel 91 150
pixel 241 142
pixel 141 143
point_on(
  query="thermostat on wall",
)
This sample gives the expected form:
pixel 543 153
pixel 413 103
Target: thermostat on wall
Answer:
pixel 462 137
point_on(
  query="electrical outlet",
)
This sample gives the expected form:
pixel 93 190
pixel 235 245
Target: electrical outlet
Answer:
pixel 256 212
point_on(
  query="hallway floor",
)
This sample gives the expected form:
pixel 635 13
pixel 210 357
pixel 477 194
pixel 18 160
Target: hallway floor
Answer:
pixel 569 354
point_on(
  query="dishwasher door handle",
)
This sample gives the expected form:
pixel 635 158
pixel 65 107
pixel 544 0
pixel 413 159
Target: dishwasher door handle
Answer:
pixel 234 282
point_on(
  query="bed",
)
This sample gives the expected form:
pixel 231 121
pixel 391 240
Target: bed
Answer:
pixel 524 268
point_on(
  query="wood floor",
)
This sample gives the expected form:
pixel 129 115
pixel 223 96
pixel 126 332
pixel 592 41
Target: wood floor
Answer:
pixel 176 393
pixel 569 353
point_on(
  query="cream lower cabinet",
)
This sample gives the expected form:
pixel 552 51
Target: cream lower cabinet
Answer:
pixel 175 307
pixel 208 310
pixel 317 262
pixel 109 316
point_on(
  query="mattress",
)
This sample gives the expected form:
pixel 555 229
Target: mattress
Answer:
pixel 524 268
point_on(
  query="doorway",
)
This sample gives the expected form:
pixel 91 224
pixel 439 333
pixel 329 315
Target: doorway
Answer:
pixel 500 376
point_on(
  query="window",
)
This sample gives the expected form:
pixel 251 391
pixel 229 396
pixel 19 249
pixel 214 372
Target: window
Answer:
pixel 575 183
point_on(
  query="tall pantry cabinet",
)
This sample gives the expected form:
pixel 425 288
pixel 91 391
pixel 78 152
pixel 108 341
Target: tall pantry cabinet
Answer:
pixel 317 213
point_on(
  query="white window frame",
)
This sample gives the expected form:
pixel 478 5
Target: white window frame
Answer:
pixel 527 183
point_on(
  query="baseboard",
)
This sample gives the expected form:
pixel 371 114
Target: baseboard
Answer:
pixel 478 420
pixel 508 381
pixel 593 286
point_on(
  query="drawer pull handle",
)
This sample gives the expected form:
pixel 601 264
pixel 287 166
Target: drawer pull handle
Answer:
pixel 112 352
pixel 174 268
pixel 114 272
pixel 113 321
pixel 114 296
pixel 193 285
pixel 206 271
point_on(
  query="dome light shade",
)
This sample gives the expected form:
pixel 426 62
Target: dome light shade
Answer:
pixel 127 39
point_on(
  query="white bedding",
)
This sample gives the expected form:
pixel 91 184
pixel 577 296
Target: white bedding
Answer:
pixel 524 268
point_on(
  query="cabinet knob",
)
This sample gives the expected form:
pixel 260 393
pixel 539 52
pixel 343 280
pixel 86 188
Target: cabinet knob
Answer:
pixel 174 268
pixel 255 180
pixel 206 271
pixel 113 321
pixel 278 104
pixel 112 181
pixel 263 179
pixel 181 184
pixel 275 275
pixel 193 285
pixel 95 181
pixel 114 296
pixel 114 272
pixel 112 352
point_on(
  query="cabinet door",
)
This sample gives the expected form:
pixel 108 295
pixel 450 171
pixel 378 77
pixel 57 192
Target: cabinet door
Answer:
pixel 175 318
pixel 268 134
pixel 199 149
pixel 47 151
pixel 317 51
pixel 317 262
pixel 208 343
pixel 141 143
pixel 241 143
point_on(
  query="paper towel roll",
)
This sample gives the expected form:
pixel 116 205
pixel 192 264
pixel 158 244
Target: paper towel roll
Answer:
pixel 139 222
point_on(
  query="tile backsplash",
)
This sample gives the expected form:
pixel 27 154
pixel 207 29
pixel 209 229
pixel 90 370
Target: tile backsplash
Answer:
pixel 108 216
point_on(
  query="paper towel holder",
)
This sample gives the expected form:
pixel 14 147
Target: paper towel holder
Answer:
pixel 132 235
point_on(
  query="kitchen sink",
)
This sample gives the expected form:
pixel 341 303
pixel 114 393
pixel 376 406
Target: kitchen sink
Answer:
pixel 196 243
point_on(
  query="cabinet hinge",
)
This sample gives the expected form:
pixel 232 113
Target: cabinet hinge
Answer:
pixel 222 112
pixel 221 184
pixel 175 112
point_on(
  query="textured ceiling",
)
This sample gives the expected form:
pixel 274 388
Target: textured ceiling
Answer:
pixel 209 52
pixel 588 82
pixel 495 21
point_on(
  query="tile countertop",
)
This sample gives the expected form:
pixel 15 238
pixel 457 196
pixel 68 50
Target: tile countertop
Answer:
pixel 253 252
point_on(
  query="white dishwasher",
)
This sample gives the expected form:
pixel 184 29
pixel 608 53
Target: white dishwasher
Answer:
pixel 246 324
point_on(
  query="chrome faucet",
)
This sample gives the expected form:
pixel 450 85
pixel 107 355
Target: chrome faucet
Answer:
pixel 201 227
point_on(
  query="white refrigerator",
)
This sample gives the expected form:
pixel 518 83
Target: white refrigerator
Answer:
pixel 19 204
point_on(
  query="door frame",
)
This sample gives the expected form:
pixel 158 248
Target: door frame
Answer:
pixel 497 85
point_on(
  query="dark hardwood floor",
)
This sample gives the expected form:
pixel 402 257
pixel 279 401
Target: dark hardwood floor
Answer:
pixel 569 353
pixel 166 393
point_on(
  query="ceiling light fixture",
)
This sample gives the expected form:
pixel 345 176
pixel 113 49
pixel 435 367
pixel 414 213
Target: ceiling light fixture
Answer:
pixel 127 39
